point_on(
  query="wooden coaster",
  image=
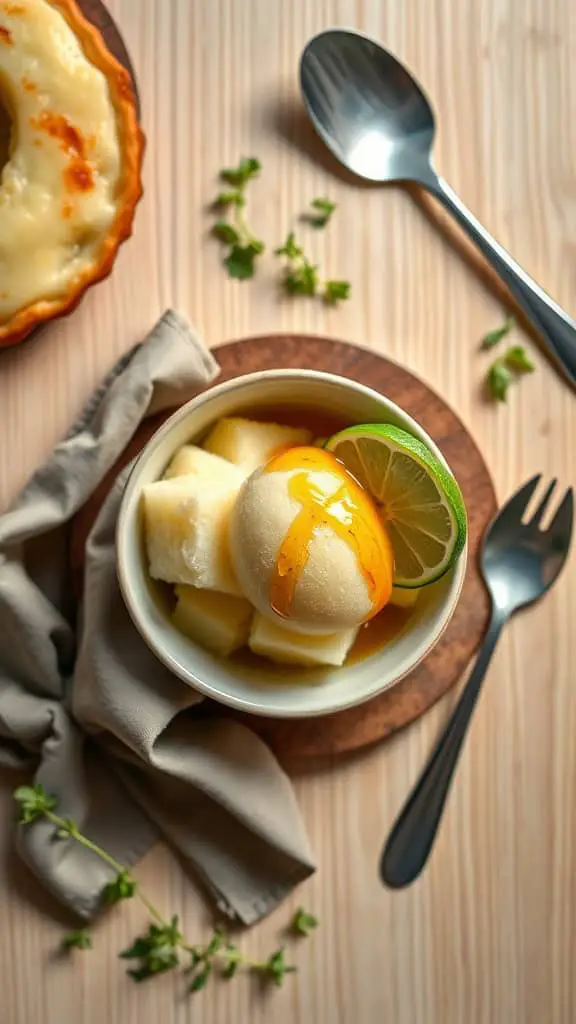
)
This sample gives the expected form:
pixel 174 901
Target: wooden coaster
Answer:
pixel 293 740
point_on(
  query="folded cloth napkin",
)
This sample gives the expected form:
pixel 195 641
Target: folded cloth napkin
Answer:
pixel 111 731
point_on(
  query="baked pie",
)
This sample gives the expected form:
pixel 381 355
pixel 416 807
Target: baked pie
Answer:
pixel 69 189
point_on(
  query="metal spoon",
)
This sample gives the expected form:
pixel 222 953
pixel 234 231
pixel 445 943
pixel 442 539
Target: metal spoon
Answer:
pixel 520 561
pixel 376 120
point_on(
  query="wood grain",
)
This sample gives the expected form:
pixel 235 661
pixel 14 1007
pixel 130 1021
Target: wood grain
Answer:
pixel 488 936
pixel 360 726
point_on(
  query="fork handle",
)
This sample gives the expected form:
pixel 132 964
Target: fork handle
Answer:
pixel 413 833
pixel 556 329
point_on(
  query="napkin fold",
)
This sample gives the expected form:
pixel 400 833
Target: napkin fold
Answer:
pixel 82 698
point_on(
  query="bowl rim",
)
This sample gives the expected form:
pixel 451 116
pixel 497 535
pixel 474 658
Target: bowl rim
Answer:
pixel 187 675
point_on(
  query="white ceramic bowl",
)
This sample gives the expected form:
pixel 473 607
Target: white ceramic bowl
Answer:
pixel 267 689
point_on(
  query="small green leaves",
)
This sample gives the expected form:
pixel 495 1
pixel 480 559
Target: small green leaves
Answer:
pixel 300 276
pixel 240 260
pixel 157 951
pixel 225 232
pixel 290 249
pixel 498 381
pixel 249 167
pixel 160 948
pixel 336 291
pixel 77 940
pixel 244 248
pixel 120 888
pixel 503 371
pixel 230 199
pixel 34 802
pixel 234 958
pixel 493 337
pixel 323 209
pixel 303 923
pixel 276 967
pixel 301 279
pixel 199 980
pixel 518 359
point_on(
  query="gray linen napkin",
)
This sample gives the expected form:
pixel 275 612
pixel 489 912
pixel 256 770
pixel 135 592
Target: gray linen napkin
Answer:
pixel 109 729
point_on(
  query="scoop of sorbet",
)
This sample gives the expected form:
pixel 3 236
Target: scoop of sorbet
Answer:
pixel 308 546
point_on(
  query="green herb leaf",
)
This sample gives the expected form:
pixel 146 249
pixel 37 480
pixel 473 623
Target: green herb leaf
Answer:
pixel 498 381
pixel 518 359
pixel 301 280
pixel 122 887
pixel 303 922
pixel 77 940
pixel 335 291
pixel 157 950
pixel 276 967
pixel 34 802
pixel 493 337
pixel 229 199
pixel 199 981
pixel 234 957
pixel 240 261
pixel 248 168
pixel 225 232
pixel 325 208
pixel 290 249
pixel 215 943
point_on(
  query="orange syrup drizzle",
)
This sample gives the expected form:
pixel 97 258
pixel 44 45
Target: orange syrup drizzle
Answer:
pixel 348 512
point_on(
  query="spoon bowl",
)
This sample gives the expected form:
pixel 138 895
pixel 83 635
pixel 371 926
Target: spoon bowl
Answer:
pixel 367 108
pixel 377 121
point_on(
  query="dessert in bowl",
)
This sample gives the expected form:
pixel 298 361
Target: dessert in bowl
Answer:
pixel 263 562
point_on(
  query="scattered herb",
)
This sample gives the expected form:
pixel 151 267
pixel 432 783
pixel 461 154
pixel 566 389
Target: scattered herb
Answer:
pixel 335 291
pixel 276 967
pixel 123 887
pixel 300 276
pixel 518 359
pixel 498 380
pixel 34 803
pixel 322 210
pixel 244 247
pixel 493 337
pixel 504 370
pixel 77 940
pixel 162 947
pixel 303 923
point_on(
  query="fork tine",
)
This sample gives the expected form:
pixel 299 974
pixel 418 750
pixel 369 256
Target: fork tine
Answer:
pixel 515 508
pixel 536 519
pixel 560 528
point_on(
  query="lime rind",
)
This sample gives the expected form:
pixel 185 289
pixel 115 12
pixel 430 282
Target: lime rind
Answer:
pixel 415 527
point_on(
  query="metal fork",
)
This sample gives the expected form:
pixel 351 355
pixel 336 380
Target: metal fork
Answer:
pixel 519 562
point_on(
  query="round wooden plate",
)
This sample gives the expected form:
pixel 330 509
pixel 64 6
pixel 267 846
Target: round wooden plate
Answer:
pixel 358 727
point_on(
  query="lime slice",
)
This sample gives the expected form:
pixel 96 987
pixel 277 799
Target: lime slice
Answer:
pixel 418 498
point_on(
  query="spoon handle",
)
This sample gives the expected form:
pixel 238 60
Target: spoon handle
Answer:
pixel 556 328
pixel 414 830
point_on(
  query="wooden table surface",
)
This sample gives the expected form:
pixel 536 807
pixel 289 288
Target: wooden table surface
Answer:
pixel 488 936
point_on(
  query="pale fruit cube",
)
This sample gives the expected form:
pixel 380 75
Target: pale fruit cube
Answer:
pixel 404 598
pixel 219 622
pixel 193 461
pixel 250 444
pixel 288 647
pixel 186 522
